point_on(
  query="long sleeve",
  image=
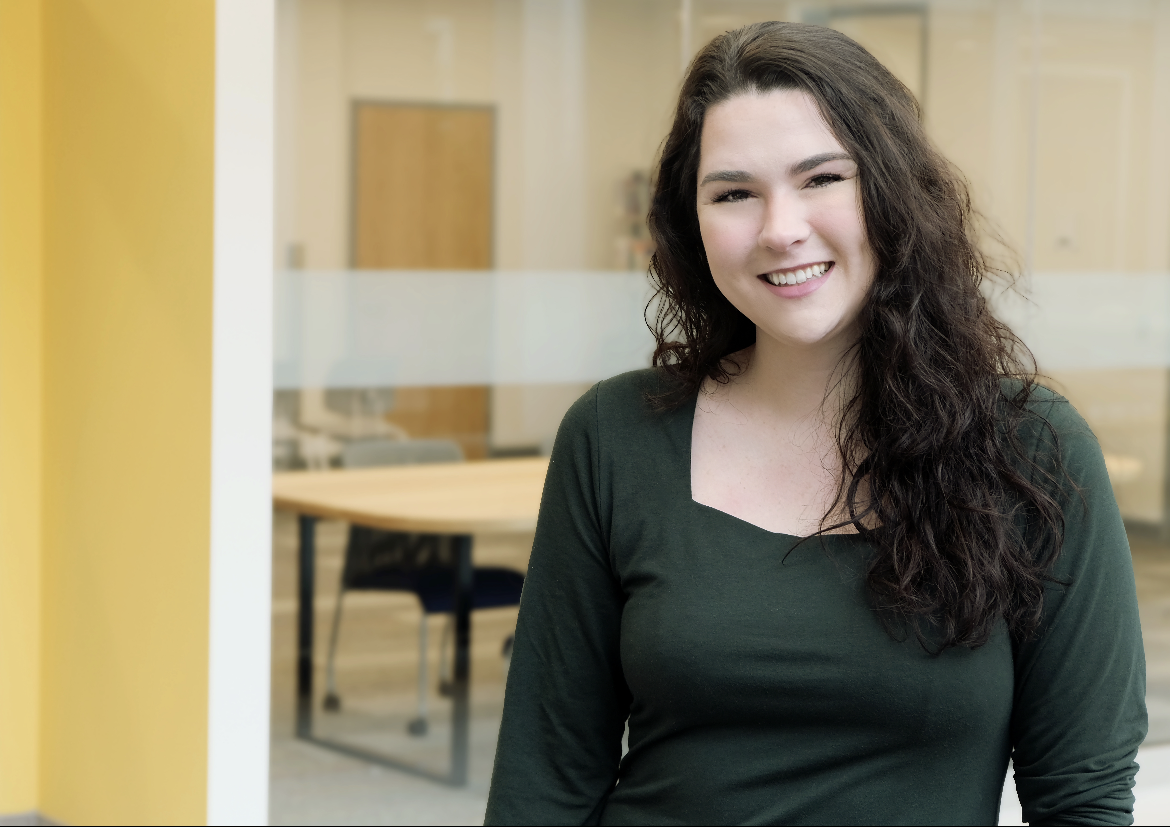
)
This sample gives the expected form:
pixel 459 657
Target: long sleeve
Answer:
pixel 1079 713
pixel 566 700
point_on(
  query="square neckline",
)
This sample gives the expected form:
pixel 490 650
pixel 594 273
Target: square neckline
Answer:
pixel 688 442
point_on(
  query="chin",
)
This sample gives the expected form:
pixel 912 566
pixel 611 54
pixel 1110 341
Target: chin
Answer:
pixel 804 337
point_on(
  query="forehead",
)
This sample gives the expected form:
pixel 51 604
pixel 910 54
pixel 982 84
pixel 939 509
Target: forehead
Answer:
pixel 758 132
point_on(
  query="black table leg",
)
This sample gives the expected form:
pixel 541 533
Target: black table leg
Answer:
pixel 306 560
pixel 461 707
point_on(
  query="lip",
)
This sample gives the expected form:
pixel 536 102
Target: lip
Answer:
pixel 796 291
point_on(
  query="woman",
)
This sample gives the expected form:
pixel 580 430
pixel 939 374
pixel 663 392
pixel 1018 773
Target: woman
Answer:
pixel 837 557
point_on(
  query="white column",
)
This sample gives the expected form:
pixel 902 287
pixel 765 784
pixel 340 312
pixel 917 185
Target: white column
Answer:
pixel 241 442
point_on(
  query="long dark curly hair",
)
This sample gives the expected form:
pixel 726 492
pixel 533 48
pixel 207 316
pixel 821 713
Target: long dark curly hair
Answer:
pixel 965 522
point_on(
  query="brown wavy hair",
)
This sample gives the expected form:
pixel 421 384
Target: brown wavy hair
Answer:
pixel 965 522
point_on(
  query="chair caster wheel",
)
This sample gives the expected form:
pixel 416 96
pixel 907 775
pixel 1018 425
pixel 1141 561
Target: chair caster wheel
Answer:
pixel 332 702
pixel 417 727
pixel 446 688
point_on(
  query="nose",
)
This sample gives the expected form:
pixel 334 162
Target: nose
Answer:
pixel 785 223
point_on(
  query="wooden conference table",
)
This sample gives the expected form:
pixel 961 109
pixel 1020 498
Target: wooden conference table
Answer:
pixel 456 500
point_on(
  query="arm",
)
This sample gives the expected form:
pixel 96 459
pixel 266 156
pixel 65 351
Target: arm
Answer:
pixel 1079 713
pixel 566 701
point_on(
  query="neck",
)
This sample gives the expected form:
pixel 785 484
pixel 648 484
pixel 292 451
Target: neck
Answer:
pixel 793 381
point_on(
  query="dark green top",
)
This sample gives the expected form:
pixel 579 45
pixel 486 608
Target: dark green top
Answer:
pixel 760 686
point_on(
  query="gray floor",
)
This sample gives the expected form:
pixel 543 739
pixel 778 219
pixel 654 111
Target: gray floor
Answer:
pixel 311 785
pixel 376 676
pixel 376 673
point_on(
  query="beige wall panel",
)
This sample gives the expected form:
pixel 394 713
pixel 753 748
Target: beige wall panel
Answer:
pixel 894 39
pixel 1093 142
pixel 633 62
pixel 1081 170
pixel 319 223
pixel 960 96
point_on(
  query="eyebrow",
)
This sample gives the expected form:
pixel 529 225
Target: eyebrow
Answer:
pixel 732 176
pixel 739 176
pixel 813 161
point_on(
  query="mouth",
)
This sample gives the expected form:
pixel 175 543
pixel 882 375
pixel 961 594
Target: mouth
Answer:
pixel 797 275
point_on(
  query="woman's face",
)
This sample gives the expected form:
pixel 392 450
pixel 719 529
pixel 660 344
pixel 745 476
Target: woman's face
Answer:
pixel 780 215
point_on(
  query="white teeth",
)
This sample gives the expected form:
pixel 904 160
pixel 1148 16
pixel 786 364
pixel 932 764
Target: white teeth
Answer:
pixel 813 271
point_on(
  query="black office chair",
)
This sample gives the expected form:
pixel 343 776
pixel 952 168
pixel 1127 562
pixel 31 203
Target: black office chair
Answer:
pixel 419 563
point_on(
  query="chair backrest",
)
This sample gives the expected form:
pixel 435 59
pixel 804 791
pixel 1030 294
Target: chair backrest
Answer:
pixel 389 559
pixel 367 453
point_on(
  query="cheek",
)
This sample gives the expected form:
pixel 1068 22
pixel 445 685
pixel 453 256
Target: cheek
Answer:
pixel 727 239
pixel 841 226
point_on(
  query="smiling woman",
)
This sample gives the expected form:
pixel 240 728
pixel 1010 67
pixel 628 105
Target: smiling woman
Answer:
pixel 837 556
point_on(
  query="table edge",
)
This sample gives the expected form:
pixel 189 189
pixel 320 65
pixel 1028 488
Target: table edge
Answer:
pixel 411 524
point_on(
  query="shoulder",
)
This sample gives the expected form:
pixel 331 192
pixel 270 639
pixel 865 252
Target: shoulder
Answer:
pixel 1059 446
pixel 625 397
pixel 622 427
pixel 613 436
pixel 1050 422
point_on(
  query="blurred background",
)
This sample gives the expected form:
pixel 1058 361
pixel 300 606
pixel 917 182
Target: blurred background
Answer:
pixel 460 252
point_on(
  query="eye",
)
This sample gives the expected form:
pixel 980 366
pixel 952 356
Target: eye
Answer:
pixel 731 196
pixel 824 179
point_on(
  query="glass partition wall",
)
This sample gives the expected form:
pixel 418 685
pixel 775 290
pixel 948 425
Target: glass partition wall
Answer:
pixel 461 245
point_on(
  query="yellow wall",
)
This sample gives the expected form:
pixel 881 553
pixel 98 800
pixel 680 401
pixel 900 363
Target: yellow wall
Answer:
pixel 128 164
pixel 20 401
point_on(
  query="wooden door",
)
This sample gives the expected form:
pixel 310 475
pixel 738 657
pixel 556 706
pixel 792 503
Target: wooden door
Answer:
pixel 423 182
pixel 423 201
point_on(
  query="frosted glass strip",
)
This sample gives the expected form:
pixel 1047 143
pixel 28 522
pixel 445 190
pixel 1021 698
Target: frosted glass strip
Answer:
pixel 1093 320
pixel 387 328
pixel 342 329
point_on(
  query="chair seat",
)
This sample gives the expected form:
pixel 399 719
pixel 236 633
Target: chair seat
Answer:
pixel 492 587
